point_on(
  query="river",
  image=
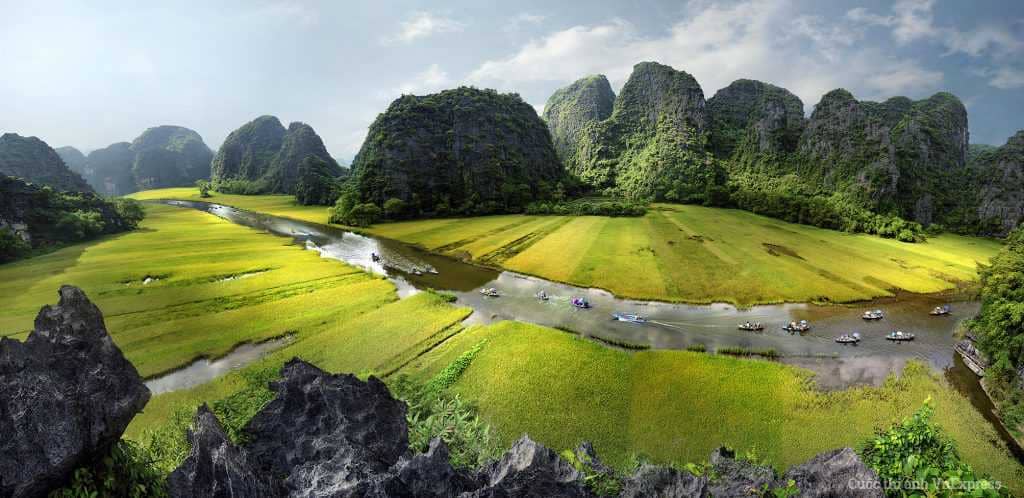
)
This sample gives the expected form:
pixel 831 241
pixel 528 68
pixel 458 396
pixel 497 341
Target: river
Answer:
pixel 669 325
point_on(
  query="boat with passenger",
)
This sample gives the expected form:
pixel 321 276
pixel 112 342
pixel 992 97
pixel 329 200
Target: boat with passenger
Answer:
pixel 490 292
pixel 580 302
pixel 751 326
pixel 797 327
pixel 873 315
pixel 899 336
pixel 853 338
pixel 628 317
pixel 940 310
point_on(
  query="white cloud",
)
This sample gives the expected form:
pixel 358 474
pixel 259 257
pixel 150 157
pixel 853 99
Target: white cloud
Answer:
pixel 429 80
pixel 522 20
pixel 1006 78
pixel 912 20
pixel 424 24
pixel 761 39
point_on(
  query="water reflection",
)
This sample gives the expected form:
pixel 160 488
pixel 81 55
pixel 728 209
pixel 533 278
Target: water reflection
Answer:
pixel 204 370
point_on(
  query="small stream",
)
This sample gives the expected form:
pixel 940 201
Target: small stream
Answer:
pixel 669 326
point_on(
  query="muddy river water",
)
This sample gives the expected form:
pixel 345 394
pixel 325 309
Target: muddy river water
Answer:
pixel 669 326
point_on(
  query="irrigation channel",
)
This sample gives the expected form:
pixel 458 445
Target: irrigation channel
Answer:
pixel 668 325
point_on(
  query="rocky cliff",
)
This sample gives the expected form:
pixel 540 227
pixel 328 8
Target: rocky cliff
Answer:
pixel 73 159
pixel 571 108
pixel 265 153
pixel 109 170
pixel 653 145
pixel 32 160
pixel 66 396
pixel 463 150
pixel 752 119
pixel 169 156
pixel 1000 173
pixel 300 142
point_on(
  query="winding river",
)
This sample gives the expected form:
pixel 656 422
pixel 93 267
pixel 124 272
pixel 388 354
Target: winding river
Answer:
pixel 669 326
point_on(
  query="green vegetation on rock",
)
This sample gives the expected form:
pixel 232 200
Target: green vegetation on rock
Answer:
pixel 35 219
pixel 32 160
pixel 264 157
pixel 462 151
pixel 571 108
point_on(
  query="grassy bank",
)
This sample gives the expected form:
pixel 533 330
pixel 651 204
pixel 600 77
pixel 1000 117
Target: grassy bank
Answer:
pixel 679 253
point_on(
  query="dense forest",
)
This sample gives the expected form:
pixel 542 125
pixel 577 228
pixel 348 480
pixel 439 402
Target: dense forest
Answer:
pixel 36 218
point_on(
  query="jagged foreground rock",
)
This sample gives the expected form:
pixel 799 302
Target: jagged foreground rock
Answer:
pixel 335 436
pixel 66 395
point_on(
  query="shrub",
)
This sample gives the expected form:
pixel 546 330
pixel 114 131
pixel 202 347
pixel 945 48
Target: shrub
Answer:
pixel 127 471
pixel 362 215
pixel 80 225
pixel 130 211
pixel 12 246
pixel 204 188
pixel 394 208
pixel 240 186
pixel 915 457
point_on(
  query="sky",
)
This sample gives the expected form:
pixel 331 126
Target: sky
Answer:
pixel 89 74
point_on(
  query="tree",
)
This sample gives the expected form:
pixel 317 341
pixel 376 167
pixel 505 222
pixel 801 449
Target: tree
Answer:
pixel 394 208
pixel 363 215
pixel 204 188
pixel 316 184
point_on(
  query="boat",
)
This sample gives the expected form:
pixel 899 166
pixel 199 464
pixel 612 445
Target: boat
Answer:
pixel 801 326
pixel 753 327
pixel 853 338
pixel 940 311
pixel 580 302
pixel 873 315
pixel 432 270
pixel 543 296
pixel 417 271
pixel 375 257
pixel 628 317
pixel 899 336
pixel 490 292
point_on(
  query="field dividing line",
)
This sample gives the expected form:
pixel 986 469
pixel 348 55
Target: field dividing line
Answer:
pixel 710 246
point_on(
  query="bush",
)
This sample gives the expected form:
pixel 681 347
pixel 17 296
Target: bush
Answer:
pixel 12 246
pixel 204 188
pixel 128 471
pixel 80 225
pixel 394 208
pixel 916 454
pixel 588 207
pixel 130 211
pixel 240 186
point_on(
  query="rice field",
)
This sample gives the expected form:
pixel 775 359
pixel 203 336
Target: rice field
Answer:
pixel 679 253
pixel 678 406
pixel 214 285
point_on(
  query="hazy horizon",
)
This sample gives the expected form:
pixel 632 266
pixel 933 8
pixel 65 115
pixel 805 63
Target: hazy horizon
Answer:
pixel 90 75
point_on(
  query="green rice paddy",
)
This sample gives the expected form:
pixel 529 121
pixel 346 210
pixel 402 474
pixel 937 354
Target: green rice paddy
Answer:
pixel 679 252
pixel 672 406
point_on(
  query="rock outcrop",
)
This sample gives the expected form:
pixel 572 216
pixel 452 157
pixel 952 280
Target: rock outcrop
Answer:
pixel 262 151
pixel 334 435
pixel 169 156
pixel 109 170
pixel 1001 176
pixel 653 144
pixel 570 109
pixel 751 118
pixel 831 474
pixel 216 468
pixel 66 395
pixel 73 159
pixel 463 150
pixel 32 160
